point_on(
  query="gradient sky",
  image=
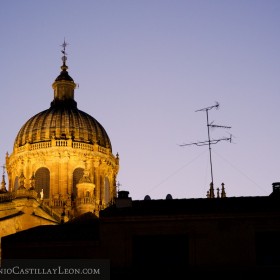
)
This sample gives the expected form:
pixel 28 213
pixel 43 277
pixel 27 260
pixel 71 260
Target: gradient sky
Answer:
pixel 143 68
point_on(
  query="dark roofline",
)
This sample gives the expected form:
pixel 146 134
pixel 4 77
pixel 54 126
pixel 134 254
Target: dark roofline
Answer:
pixel 195 206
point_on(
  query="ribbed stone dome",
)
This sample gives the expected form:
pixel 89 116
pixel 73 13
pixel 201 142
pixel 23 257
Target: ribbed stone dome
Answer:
pixel 63 120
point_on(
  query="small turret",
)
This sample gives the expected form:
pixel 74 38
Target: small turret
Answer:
pixel 85 194
pixel 220 193
pixel 3 185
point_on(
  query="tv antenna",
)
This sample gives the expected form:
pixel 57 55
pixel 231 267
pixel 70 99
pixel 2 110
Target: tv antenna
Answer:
pixel 210 141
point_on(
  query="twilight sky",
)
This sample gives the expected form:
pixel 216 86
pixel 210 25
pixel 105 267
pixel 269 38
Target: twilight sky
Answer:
pixel 143 68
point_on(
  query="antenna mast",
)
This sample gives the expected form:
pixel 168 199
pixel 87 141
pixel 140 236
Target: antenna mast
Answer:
pixel 210 141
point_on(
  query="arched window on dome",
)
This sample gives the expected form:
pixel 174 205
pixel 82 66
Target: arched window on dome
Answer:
pixel 77 175
pixel 106 191
pixel 42 181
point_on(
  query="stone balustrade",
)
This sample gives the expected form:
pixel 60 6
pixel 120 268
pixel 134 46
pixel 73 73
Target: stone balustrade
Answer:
pixel 62 143
pixel 8 196
pixel 84 200
pixel 26 193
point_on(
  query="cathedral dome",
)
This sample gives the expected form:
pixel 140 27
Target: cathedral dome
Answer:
pixel 63 120
pixel 62 157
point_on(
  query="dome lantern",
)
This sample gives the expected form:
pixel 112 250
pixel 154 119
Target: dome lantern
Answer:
pixel 64 85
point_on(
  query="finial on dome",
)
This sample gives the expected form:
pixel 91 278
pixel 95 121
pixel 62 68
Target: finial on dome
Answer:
pixel 64 76
pixel 64 67
pixel 4 167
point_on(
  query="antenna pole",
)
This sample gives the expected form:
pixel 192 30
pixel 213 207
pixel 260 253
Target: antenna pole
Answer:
pixel 209 145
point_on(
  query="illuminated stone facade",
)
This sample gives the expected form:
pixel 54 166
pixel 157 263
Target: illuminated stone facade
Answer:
pixel 64 156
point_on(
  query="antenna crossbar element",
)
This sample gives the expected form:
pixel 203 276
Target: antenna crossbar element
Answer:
pixel 209 108
pixel 219 126
pixel 204 143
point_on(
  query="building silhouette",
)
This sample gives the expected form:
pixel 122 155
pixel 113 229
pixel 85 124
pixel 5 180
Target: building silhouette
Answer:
pixel 232 238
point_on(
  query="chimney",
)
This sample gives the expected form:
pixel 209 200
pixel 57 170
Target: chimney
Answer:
pixel 275 189
pixel 123 200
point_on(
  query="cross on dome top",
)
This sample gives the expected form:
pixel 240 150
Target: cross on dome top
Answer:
pixel 64 45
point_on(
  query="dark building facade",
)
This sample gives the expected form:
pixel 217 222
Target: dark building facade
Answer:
pixel 237 236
